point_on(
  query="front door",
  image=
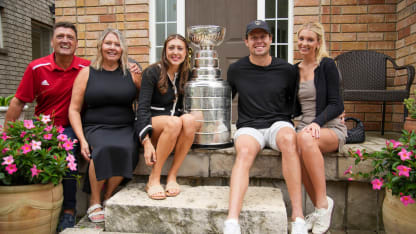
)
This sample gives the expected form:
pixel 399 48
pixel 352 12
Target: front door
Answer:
pixel 234 15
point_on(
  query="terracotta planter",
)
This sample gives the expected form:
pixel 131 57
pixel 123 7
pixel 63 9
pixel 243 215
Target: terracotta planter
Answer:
pixel 409 124
pixel 398 218
pixel 30 209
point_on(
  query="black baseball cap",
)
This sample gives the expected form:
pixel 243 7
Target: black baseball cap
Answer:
pixel 257 24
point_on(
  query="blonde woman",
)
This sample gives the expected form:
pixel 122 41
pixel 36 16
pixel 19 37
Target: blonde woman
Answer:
pixel 320 130
pixel 105 93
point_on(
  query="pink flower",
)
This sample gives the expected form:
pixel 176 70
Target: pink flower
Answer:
pixel 70 158
pixel 404 154
pixel 34 171
pixel 22 134
pixel 47 136
pixel 56 158
pixel 377 184
pixel 8 160
pixel 11 169
pixel 72 166
pixel 62 137
pixel 68 145
pixel 46 118
pixel 403 170
pixel 5 150
pixel 36 145
pixel 60 129
pixel 350 179
pixel 358 152
pixel 4 136
pixel 395 143
pixel 26 148
pixel 75 141
pixel 28 124
pixel 348 171
pixel 406 200
pixel 48 128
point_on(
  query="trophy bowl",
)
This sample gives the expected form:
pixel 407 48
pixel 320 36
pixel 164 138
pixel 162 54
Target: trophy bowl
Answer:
pixel 206 35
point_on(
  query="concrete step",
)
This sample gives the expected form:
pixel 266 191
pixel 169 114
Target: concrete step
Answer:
pixel 200 209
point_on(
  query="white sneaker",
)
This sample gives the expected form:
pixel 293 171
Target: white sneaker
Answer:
pixel 323 218
pixel 310 219
pixel 298 227
pixel 231 226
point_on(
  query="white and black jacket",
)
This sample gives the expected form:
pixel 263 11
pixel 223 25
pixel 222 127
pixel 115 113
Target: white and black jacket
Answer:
pixel 153 103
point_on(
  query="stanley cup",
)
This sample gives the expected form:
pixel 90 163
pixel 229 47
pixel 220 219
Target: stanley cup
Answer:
pixel 207 95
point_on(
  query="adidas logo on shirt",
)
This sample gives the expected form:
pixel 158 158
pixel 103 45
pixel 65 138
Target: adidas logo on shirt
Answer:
pixel 44 82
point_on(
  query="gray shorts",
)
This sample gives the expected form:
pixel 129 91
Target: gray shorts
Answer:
pixel 265 136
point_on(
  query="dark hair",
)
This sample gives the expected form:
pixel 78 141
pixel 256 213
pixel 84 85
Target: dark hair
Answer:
pixel 64 24
pixel 164 66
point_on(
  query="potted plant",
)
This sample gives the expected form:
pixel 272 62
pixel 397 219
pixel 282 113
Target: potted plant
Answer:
pixel 35 156
pixel 410 122
pixel 4 106
pixel 393 168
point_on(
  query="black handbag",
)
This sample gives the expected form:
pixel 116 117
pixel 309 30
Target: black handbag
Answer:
pixel 356 134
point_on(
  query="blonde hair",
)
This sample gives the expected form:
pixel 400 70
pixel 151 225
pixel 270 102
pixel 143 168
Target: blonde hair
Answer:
pixel 97 62
pixel 318 29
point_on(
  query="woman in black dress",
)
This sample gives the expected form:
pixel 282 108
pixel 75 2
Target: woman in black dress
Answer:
pixel 104 93
pixel 162 124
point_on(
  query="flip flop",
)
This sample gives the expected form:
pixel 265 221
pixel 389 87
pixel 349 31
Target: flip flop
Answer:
pixel 172 185
pixel 154 192
pixel 92 213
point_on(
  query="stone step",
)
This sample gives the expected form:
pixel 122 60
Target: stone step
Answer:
pixel 201 209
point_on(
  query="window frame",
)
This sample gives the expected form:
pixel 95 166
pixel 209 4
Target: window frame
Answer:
pixel 180 25
pixel 261 15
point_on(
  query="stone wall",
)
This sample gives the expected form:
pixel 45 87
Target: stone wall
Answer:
pixel 16 17
pixel 386 26
pixel 91 17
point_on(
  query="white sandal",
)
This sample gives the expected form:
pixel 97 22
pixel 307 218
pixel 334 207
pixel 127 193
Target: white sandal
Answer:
pixel 92 214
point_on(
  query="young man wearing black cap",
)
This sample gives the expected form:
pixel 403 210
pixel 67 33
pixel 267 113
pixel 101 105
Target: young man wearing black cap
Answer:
pixel 267 92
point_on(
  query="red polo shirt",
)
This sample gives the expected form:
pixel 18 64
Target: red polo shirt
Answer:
pixel 51 86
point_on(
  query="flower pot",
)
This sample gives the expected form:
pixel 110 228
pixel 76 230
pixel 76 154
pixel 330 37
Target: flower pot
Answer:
pixel 30 208
pixel 409 124
pixel 398 218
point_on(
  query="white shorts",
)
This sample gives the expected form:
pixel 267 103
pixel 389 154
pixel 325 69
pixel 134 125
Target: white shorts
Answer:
pixel 265 136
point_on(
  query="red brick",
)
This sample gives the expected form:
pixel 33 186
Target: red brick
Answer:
pixel 80 3
pixel 344 2
pixel 136 16
pixel 367 108
pixel 349 107
pixel 370 36
pixel 354 9
pixel 373 117
pixel 326 19
pixel 59 11
pixel 92 35
pixel 382 27
pixel 410 39
pixel 371 1
pixel 370 18
pixel 305 19
pixel 344 19
pixel 69 11
pixel 347 46
pixel 354 28
pixel 391 18
pixel 137 8
pixel 306 3
pixel 336 27
pixel 343 37
pixel 325 10
pixel 384 45
pixel 87 18
pixel 372 126
pixel 404 32
pixel 96 10
pixel 91 3
pixel 382 9
pixel 138 50
pixel 336 10
pixel 107 18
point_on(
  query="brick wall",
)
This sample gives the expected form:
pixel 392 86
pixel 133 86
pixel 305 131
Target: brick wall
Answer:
pixel 16 23
pixel 381 25
pixel 91 17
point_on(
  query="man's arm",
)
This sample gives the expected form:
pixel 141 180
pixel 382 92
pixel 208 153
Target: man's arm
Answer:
pixel 14 111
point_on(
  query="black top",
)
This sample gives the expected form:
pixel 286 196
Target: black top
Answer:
pixel 109 92
pixel 265 94
pixel 329 103
pixel 153 103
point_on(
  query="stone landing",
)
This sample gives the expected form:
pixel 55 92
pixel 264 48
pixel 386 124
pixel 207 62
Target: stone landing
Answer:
pixel 201 209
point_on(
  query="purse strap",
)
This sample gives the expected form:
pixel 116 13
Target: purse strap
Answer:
pixel 357 121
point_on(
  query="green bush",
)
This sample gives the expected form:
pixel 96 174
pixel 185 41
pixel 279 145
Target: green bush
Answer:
pixel 5 101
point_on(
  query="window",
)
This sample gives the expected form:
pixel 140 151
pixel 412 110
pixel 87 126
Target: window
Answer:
pixel 166 17
pixel 279 15
pixel 1 28
pixel 41 40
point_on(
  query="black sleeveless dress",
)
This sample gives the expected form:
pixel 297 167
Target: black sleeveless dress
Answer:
pixel 108 123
